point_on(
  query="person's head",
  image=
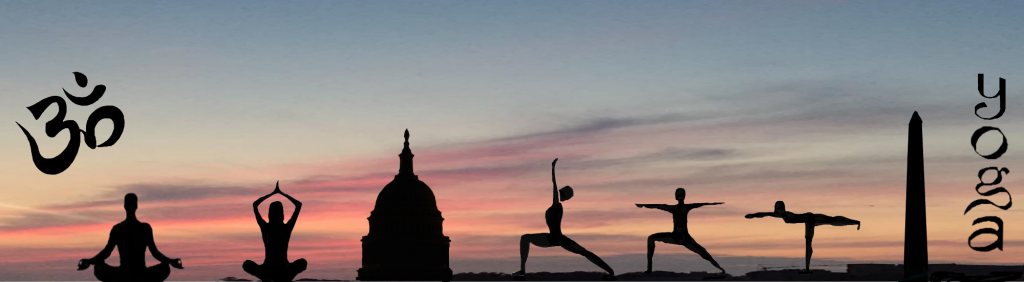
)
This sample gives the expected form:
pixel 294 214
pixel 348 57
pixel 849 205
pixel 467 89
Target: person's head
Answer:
pixel 131 203
pixel 276 212
pixel 680 194
pixel 780 207
pixel 565 193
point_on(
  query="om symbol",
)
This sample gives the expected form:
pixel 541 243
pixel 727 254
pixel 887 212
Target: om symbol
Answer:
pixel 61 162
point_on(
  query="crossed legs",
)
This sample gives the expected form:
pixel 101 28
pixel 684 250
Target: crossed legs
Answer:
pixel 106 273
pixel 277 274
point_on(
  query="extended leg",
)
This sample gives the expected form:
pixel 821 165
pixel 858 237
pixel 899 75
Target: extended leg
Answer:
pixel 662 237
pixel 577 249
pixel 698 249
pixel 836 220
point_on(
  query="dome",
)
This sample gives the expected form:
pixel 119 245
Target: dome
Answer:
pixel 406 239
pixel 406 195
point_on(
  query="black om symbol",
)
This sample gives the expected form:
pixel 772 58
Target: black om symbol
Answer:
pixel 61 162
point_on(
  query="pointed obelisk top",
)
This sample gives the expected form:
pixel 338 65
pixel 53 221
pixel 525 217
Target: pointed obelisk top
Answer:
pixel 916 118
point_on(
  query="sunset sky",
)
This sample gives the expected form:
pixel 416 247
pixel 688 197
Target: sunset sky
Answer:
pixel 739 102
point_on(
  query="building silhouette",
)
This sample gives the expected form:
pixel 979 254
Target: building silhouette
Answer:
pixel 405 240
pixel 915 240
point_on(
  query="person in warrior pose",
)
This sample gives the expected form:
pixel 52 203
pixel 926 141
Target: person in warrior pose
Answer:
pixel 679 235
pixel 276 234
pixel 131 237
pixel 553 216
pixel 810 220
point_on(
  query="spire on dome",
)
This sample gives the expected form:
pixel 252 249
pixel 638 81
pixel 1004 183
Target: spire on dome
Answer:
pixel 405 166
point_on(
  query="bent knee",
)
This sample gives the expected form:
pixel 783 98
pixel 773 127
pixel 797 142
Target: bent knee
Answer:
pixel 250 266
pixel 162 268
pixel 300 264
pixel 530 237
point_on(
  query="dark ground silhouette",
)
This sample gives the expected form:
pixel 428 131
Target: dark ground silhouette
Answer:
pixel 132 238
pixel 276 234
pixel 854 273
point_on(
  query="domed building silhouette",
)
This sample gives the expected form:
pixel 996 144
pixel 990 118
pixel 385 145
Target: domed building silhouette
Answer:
pixel 405 240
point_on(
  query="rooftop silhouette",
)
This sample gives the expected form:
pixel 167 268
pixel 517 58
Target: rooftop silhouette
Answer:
pixel 405 241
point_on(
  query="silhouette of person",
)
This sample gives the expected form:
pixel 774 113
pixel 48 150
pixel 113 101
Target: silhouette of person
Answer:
pixel 810 220
pixel 680 235
pixel 131 238
pixel 553 217
pixel 276 234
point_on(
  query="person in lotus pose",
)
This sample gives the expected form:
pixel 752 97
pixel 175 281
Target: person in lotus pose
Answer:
pixel 680 235
pixel 131 237
pixel 276 234
pixel 553 216
pixel 810 220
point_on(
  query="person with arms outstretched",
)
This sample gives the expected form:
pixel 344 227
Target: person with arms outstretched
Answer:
pixel 276 234
pixel 680 235
pixel 553 217
pixel 132 238
pixel 810 220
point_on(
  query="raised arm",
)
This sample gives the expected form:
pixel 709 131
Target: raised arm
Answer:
pixel 104 254
pixel 554 184
pixel 111 243
pixel 760 214
pixel 156 253
pixel 697 205
pixel 655 206
pixel 256 207
pixel 298 207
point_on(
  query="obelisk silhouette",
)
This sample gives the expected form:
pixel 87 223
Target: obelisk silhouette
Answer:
pixel 915 240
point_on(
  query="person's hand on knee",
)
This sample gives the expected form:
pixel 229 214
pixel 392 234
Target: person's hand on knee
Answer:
pixel 84 264
pixel 176 263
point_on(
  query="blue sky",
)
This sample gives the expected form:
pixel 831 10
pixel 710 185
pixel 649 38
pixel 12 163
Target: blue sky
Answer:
pixel 743 99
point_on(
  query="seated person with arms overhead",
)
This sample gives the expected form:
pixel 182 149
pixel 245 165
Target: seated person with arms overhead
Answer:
pixel 276 234
pixel 131 238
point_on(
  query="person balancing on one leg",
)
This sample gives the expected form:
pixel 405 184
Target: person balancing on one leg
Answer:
pixel 810 220
pixel 680 235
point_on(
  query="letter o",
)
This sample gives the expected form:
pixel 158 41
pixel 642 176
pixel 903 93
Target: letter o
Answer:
pixel 981 131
